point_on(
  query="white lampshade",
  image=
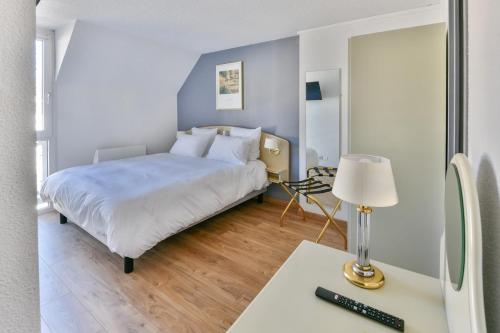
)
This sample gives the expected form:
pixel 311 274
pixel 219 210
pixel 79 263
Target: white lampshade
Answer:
pixel 271 143
pixel 365 180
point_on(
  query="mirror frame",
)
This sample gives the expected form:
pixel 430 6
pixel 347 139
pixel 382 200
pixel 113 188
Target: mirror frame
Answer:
pixel 465 307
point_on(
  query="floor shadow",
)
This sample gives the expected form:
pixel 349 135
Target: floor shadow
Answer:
pixel 489 202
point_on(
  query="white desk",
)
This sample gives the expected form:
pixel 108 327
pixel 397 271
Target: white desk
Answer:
pixel 288 303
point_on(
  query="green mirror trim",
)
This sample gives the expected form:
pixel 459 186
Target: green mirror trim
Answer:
pixel 457 284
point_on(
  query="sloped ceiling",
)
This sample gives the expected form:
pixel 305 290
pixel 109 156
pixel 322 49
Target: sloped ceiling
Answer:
pixel 209 25
pixel 62 38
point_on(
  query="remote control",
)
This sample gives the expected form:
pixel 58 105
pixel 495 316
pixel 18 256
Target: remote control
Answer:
pixel 360 308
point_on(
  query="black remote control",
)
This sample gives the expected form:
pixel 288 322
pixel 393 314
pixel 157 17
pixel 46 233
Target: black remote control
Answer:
pixel 360 308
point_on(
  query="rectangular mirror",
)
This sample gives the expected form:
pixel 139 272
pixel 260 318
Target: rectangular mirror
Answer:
pixel 323 118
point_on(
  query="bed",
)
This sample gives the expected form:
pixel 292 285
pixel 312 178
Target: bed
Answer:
pixel 132 204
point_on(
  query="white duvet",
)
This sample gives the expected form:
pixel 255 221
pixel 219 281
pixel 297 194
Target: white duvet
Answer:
pixel 132 204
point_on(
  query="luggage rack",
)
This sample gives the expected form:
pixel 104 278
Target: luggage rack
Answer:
pixel 310 188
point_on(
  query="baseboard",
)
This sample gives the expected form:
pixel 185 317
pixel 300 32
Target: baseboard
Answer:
pixel 311 215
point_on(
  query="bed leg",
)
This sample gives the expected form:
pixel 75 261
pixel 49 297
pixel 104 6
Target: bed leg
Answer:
pixel 128 265
pixel 62 219
pixel 260 198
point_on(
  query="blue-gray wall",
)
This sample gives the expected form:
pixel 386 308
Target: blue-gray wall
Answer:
pixel 271 93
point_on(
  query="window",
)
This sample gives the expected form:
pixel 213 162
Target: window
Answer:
pixel 44 67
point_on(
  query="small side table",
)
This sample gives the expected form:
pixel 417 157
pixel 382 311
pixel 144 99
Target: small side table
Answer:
pixel 288 304
pixel 277 176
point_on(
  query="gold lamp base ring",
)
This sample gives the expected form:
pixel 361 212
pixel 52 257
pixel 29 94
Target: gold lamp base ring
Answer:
pixel 374 282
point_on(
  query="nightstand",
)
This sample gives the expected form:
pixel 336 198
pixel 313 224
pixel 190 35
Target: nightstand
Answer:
pixel 288 304
pixel 277 176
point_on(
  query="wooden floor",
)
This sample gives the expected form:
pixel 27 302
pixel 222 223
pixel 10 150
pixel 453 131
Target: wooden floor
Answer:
pixel 197 281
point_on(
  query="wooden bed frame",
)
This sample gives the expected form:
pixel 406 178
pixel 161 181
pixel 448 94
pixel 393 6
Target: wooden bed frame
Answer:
pixel 272 161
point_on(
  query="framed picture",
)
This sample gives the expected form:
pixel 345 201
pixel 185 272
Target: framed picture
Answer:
pixel 229 86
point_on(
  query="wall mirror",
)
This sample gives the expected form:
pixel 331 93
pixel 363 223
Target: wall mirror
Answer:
pixel 454 227
pixel 323 118
pixel 463 266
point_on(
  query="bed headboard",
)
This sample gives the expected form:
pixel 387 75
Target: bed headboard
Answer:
pixel 280 162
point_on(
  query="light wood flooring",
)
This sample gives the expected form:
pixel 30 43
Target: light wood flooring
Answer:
pixel 197 281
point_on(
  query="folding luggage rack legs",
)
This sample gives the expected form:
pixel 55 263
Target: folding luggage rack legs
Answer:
pixel 308 188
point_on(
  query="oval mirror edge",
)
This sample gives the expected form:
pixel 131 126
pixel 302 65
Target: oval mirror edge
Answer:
pixel 454 228
pixel 472 287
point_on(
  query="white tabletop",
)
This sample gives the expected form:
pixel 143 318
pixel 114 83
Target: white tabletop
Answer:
pixel 288 303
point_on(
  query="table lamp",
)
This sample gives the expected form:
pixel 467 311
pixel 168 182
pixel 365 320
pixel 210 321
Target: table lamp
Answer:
pixel 366 181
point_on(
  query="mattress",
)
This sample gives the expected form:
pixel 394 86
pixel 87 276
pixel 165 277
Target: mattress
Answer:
pixel 132 204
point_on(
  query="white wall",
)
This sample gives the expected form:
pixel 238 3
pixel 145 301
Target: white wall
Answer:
pixel 327 48
pixel 115 89
pixel 484 140
pixel 19 300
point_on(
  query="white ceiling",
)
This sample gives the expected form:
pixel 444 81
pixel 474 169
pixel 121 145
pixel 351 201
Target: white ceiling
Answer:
pixel 209 25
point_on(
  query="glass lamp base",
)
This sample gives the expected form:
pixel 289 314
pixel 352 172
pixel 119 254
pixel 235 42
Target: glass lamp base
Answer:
pixel 374 282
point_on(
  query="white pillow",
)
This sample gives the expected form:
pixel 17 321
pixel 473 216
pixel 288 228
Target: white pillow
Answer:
pixel 230 149
pixel 206 131
pixel 210 132
pixel 253 135
pixel 191 145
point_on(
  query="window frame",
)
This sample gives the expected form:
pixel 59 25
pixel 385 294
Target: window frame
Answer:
pixel 46 136
pixel 48 82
